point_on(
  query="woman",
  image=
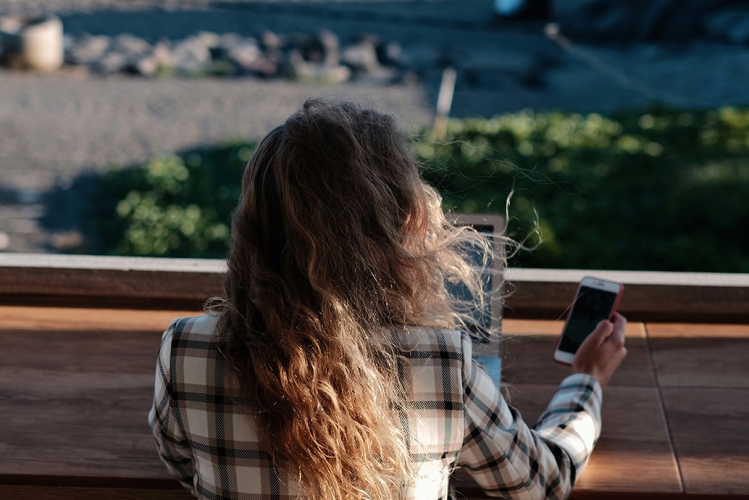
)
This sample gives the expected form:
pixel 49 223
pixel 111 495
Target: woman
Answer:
pixel 333 369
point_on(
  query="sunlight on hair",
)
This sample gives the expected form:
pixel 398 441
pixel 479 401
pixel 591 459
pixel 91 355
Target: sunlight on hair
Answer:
pixel 338 248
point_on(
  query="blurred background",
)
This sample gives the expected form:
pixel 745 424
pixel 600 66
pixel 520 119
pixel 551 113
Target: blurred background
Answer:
pixel 617 129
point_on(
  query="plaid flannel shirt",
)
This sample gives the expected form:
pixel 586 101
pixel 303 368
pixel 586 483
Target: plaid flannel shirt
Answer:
pixel 456 418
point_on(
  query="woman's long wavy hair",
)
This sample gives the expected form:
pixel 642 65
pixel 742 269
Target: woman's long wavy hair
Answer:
pixel 337 243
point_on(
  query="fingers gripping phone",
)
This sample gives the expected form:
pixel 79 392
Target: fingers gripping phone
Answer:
pixel 596 300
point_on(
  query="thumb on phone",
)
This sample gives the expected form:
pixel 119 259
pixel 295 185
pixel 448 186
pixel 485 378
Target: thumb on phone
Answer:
pixel 617 335
pixel 603 351
pixel 602 332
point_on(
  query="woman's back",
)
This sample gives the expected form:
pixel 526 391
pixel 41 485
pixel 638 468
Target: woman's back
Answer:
pixel 456 417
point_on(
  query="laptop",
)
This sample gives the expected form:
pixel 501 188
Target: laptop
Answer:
pixel 486 348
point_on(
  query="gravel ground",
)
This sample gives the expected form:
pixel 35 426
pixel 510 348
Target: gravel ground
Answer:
pixel 53 128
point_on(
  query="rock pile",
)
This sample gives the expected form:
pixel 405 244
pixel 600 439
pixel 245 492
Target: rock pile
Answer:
pixel 318 57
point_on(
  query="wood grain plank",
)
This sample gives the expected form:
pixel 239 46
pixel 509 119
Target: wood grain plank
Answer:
pixel 536 327
pixel 697 330
pixel 634 442
pixel 56 493
pixel 80 319
pixel 471 491
pixel 700 355
pixel 528 347
pixel 710 433
pixel 553 328
pixel 75 403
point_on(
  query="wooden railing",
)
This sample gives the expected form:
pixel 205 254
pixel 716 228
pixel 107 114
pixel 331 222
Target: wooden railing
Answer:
pixel 153 283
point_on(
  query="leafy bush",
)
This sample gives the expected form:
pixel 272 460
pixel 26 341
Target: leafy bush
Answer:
pixel 661 190
pixel 175 205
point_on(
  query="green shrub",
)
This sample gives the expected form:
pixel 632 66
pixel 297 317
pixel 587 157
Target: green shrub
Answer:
pixel 175 205
pixel 661 190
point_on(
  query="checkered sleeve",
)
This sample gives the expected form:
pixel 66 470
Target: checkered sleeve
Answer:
pixel 168 431
pixel 510 460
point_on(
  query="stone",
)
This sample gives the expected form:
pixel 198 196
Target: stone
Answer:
pixel 270 40
pixel 110 63
pixel 244 55
pixel 264 67
pixel 328 40
pixel 225 43
pixel 146 65
pixel 331 45
pixel 274 56
pixel 210 39
pixel 334 74
pixel 191 55
pixel 163 54
pixel 311 57
pixel 213 42
pixel 228 40
pixel 361 56
pixel 10 24
pixel 88 49
pixel 237 54
pixel 297 68
pixel 131 45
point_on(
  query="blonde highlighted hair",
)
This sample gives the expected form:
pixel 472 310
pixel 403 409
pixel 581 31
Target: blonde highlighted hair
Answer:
pixel 337 242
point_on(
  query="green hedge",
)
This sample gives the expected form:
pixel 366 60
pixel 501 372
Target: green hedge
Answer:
pixel 661 190
pixel 172 206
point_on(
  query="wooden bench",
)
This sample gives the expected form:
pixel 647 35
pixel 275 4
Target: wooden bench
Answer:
pixel 76 382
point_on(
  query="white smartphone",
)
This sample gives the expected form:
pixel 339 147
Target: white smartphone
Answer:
pixel 595 301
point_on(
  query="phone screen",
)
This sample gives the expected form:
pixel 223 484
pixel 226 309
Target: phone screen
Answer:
pixel 591 307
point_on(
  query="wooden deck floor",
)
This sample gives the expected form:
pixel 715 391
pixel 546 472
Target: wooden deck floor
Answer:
pixel 76 386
